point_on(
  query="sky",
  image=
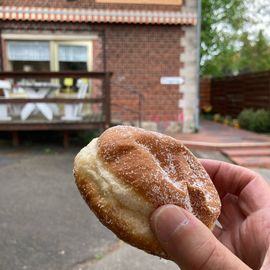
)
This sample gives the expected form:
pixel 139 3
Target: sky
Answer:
pixel 258 12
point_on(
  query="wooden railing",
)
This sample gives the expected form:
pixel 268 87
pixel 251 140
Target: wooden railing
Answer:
pixel 104 100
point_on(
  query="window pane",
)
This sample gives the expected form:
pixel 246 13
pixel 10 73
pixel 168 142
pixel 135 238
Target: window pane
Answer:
pixel 30 66
pixel 68 53
pixel 28 51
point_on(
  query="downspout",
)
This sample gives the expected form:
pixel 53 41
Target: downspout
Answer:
pixel 1 53
pixel 199 20
pixel 104 50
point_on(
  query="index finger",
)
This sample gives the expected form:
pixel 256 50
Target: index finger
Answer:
pixel 253 192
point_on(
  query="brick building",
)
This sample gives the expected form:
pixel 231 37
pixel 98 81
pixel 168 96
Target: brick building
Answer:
pixel 140 41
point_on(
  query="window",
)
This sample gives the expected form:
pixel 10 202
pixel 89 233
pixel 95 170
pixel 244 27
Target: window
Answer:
pixel 72 57
pixel 28 56
pixel 48 53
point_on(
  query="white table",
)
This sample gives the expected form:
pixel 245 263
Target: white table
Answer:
pixel 38 90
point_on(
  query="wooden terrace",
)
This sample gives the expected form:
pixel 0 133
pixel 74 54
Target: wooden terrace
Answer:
pixel 95 119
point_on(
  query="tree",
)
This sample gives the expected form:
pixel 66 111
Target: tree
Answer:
pixel 254 56
pixel 221 23
pixel 230 41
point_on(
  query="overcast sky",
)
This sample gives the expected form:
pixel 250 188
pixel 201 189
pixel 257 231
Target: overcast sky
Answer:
pixel 259 14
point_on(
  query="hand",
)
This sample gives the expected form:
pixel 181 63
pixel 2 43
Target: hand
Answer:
pixel 243 241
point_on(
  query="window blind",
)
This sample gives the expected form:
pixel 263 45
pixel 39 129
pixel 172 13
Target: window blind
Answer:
pixel 28 51
pixel 69 53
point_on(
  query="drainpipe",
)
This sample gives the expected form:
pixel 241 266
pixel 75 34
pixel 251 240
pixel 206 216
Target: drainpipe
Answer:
pixel 1 53
pixel 104 41
pixel 197 112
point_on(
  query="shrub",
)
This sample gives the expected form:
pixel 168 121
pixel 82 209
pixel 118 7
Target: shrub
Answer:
pixel 258 121
pixel 245 118
pixel 261 121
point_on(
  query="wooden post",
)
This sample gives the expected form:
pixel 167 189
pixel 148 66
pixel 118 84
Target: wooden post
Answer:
pixel 66 139
pixel 15 138
pixel 107 104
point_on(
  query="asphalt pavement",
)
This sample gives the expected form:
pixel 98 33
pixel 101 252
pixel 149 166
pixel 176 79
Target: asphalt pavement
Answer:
pixel 45 224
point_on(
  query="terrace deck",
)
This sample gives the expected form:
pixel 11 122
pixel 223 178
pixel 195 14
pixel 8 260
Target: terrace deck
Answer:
pixel 99 120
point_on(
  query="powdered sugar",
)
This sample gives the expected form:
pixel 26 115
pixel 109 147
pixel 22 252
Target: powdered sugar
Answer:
pixel 158 167
pixel 166 171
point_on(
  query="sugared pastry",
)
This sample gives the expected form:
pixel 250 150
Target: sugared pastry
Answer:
pixel 126 173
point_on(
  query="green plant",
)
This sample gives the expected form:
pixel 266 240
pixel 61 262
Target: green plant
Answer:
pixel 216 117
pixel 245 118
pixel 207 108
pixel 258 121
pixel 235 123
pixel 261 121
pixel 227 120
pixel 221 119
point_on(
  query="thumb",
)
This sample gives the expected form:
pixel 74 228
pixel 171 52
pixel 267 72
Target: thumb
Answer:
pixel 189 242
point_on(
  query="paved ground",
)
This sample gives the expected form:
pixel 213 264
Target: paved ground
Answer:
pixel 45 225
pixel 243 147
pixel 218 133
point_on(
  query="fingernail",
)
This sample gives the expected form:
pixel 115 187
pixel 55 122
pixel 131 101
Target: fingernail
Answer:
pixel 166 220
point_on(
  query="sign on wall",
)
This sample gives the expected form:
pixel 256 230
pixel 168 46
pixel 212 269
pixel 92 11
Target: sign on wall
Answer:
pixel 153 2
pixel 172 80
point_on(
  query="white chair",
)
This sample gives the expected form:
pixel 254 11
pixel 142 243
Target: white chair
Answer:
pixel 6 86
pixel 73 111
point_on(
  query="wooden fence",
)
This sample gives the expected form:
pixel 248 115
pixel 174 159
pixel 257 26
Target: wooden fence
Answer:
pixel 205 93
pixel 230 95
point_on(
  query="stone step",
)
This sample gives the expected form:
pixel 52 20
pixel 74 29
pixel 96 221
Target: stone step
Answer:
pixel 199 145
pixel 252 161
pixel 247 152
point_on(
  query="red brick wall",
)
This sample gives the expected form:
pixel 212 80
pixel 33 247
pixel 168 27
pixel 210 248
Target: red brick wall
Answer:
pixel 138 55
pixel 85 4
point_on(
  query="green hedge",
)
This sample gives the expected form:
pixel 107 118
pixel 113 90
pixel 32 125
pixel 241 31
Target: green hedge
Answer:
pixel 258 121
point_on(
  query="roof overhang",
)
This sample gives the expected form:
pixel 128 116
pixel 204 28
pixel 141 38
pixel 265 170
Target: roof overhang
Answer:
pixel 96 16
